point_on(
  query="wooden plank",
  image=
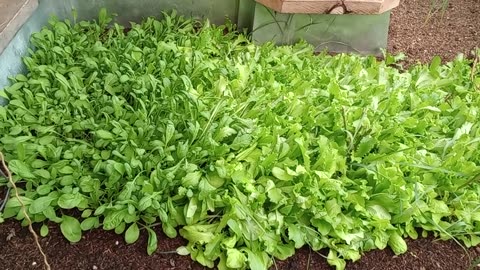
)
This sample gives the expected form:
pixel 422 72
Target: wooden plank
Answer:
pixel 388 5
pixel 13 14
pixel 324 6
pixel 273 4
pixel 338 1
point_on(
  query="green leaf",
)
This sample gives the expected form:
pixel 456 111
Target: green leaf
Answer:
pixel 241 141
pixel 169 131
pixel 51 215
pixel 120 228
pixel 257 260
pixel 124 78
pixel 103 134
pixel 21 169
pixel 42 173
pixel 71 229
pixel 283 252
pixel 17 202
pixel 379 212
pixel 198 233
pixel 191 179
pixel 137 55
pixel 88 223
pixel 275 195
pixel 44 189
pixel 62 80
pixel 169 230
pixel 191 209
pixel 281 174
pixel 132 234
pixel 44 230
pixel 435 64
pixel 152 241
pixel 66 170
pixel 397 244
pixel 183 251
pixel 3 113
pixel 100 210
pixel 113 219
pixel 145 203
pixel 334 260
pixel 103 18
pixel 69 201
pixel 296 234
pixel 332 207
pixel 235 258
pixel 40 204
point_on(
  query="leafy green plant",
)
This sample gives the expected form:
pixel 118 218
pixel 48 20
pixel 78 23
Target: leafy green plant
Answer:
pixel 248 152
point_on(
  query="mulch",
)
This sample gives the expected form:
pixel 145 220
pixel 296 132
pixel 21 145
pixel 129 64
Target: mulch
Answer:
pixel 446 34
pixel 457 30
pixel 100 249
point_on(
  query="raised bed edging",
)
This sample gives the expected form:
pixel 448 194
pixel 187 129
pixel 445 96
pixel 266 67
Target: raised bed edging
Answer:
pixel 363 34
pixel 13 14
pixel 327 6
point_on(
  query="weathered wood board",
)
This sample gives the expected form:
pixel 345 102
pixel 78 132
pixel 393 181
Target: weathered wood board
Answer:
pixel 331 6
pixel 13 14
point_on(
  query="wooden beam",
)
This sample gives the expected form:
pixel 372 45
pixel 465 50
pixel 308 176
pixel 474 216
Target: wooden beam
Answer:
pixel 325 6
pixel 13 14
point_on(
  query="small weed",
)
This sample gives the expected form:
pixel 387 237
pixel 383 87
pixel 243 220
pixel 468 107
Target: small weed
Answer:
pixel 437 6
pixel 474 264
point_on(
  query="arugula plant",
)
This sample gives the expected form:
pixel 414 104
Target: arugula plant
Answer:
pixel 248 152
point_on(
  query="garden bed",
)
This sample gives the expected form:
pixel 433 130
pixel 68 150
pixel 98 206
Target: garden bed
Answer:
pixel 444 34
pixel 106 250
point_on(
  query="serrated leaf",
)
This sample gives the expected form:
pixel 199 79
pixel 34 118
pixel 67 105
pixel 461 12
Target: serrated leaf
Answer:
pixel 235 258
pixel 257 260
pixel 296 234
pixel 365 146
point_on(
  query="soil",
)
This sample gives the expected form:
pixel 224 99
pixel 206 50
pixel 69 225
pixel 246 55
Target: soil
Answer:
pixel 106 250
pixel 457 31
pixel 445 33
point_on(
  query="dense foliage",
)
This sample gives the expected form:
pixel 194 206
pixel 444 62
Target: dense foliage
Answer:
pixel 250 152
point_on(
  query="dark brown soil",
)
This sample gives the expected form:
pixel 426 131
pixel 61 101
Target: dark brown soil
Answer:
pixel 457 31
pixel 446 34
pixel 106 250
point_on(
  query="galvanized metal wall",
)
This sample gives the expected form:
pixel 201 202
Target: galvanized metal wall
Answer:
pixel 364 34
